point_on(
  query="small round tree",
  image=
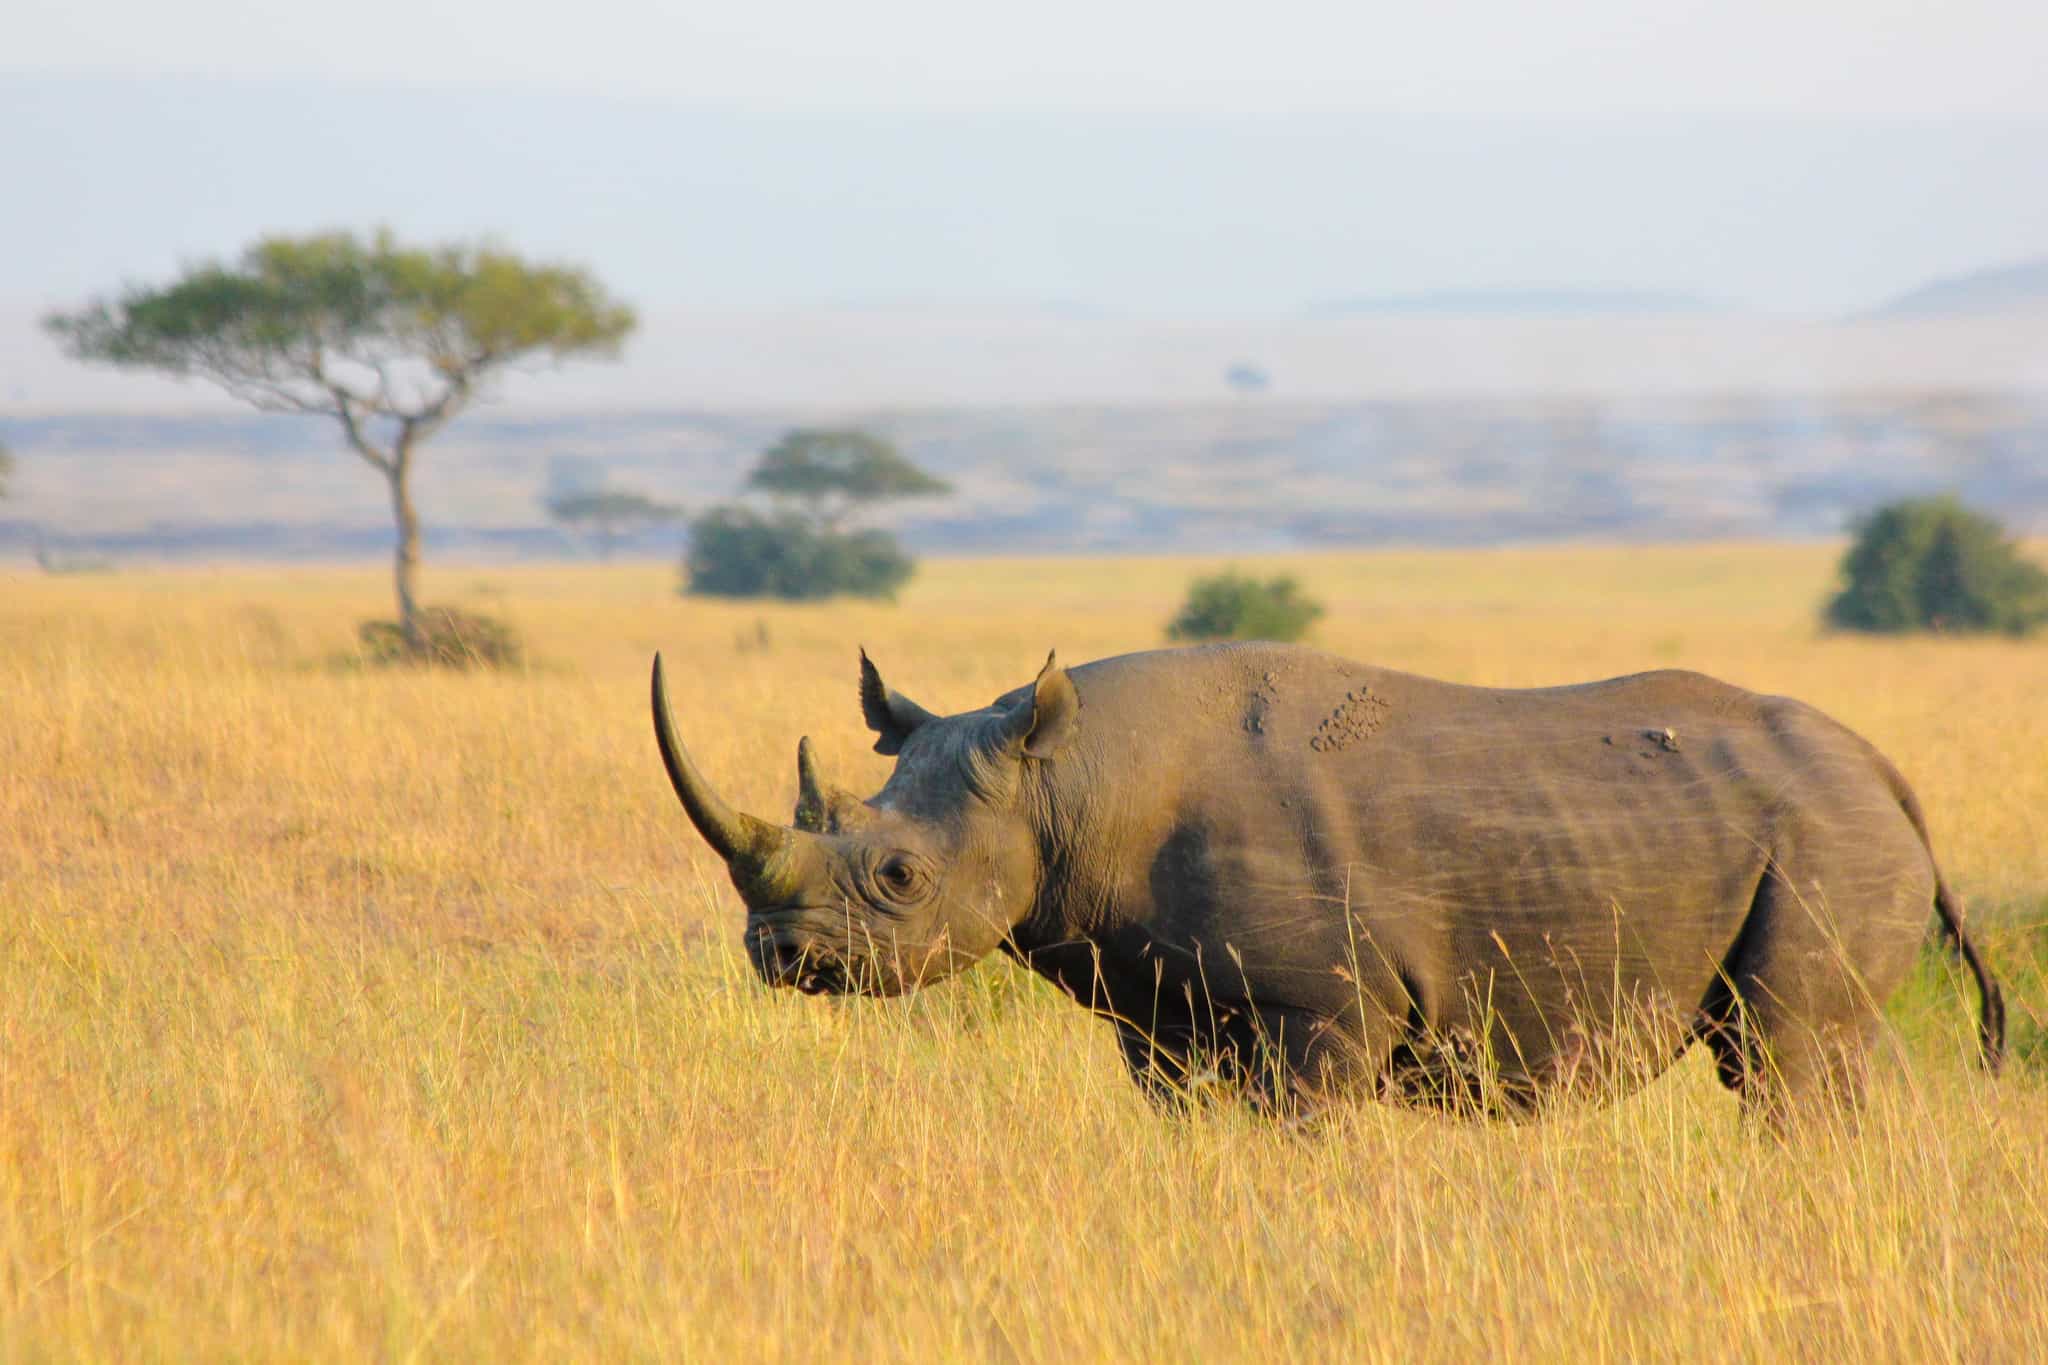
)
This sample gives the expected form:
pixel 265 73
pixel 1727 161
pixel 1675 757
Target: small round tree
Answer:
pixel 1933 564
pixel 389 341
pixel 1235 606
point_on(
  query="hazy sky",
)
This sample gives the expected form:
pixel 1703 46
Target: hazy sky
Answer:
pixel 777 163
pixel 1821 57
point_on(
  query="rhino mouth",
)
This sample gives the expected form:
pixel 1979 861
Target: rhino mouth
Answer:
pixel 797 948
pixel 805 969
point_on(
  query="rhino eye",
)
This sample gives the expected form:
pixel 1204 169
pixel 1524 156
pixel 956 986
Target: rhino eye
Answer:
pixel 900 879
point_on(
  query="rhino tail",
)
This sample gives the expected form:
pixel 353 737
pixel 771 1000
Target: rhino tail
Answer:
pixel 1948 907
pixel 1991 1012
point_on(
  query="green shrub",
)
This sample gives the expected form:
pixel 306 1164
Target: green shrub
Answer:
pixel 1933 564
pixel 449 638
pixel 1235 606
pixel 737 552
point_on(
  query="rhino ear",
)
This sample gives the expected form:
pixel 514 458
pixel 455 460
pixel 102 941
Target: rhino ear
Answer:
pixel 1048 717
pixel 891 715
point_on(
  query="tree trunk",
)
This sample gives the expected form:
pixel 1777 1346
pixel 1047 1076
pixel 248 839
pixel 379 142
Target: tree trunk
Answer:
pixel 407 568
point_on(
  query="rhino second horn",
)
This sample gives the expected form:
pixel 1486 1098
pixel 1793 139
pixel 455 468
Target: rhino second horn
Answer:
pixel 736 836
pixel 810 792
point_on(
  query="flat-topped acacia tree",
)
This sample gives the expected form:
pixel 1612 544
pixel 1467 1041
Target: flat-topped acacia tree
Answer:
pixel 608 511
pixel 391 341
pixel 834 472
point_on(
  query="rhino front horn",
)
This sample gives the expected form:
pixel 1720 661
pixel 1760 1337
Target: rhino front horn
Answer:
pixel 737 837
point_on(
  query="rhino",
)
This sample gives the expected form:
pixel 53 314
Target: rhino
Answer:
pixel 1294 878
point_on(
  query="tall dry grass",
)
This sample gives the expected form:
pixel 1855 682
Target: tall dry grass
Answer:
pixel 349 1013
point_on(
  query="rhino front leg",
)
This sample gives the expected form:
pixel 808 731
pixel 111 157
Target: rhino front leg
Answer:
pixel 1179 1062
pixel 1159 1065
pixel 1284 1062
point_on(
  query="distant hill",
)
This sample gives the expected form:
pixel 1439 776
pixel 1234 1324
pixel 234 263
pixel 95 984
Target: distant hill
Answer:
pixel 1519 303
pixel 2005 289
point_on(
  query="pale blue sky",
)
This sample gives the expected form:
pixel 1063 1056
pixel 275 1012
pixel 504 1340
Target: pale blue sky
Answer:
pixel 1820 57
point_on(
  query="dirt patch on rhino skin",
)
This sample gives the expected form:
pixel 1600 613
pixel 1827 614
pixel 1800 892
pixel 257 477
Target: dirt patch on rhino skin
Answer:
pixel 1360 714
pixel 1262 700
pixel 1665 739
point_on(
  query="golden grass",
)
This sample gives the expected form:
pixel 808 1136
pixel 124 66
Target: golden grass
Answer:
pixel 352 1013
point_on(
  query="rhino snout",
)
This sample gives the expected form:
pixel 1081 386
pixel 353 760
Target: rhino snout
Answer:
pixel 799 950
pixel 785 957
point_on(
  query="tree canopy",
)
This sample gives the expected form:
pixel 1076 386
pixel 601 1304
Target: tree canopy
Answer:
pixel 606 510
pixel 614 506
pixel 834 470
pixel 354 329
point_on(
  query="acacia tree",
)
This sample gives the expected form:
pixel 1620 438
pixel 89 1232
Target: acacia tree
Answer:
pixel 390 341
pixel 608 511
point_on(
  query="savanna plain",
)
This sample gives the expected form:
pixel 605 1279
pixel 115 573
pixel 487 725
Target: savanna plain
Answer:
pixel 356 1013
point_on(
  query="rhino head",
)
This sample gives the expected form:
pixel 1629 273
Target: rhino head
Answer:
pixel 916 882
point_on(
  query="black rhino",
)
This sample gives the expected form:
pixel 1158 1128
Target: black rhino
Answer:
pixel 1298 876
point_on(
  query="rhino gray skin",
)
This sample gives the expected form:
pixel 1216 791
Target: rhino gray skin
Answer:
pixel 1301 876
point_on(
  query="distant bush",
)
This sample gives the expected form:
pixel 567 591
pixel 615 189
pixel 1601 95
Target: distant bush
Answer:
pixel 1235 606
pixel 1933 564
pixel 737 552
pixel 449 638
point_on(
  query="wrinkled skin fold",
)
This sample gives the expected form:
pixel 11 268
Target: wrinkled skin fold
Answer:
pixel 1286 876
